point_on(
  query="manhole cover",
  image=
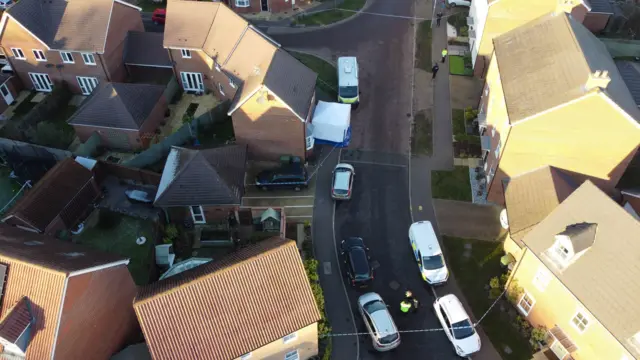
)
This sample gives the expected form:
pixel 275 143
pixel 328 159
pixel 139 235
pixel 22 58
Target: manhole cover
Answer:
pixel 375 264
pixel 394 285
pixel 327 267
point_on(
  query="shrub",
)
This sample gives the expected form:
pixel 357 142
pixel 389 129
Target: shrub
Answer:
pixel 514 292
pixel 171 231
pixel 50 134
pixel 496 288
pixel 464 31
pixel 327 350
pixel 311 267
pixel 538 336
pixel 470 114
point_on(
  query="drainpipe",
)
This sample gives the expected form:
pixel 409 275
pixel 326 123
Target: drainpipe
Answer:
pixel 106 73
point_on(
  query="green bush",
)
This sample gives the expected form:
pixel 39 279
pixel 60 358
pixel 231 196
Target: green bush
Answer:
pixel 50 134
pixel 464 31
pixel 539 334
pixel 327 350
pixel 311 267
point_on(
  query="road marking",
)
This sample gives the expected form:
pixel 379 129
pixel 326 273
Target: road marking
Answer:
pixel 327 267
pixel 298 216
pixel 380 14
pixel 279 197
pixel 335 250
pixel 372 163
pixel 298 206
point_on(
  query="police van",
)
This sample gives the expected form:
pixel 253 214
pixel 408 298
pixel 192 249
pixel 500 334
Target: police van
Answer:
pixel 348 90
pixel 427 253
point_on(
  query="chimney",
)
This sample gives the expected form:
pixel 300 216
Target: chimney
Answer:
pixel 597 79
pixel 567 5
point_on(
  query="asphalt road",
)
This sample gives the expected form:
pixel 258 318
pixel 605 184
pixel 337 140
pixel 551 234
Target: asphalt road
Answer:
pixel 149 26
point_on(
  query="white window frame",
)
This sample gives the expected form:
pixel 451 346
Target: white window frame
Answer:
pixel 245 356
pixel 585 317
pixel 533 303
pixel 186 53
pixel 493 131
pixel 90 56
pixel 289 338
pixel 232 84
pixel 39 55
pixel 67 57
pixel 193 215
pixel 217 66
pixel 243 3
pixel 292 355
pixel 542 278
pixel 221 89
pixel 561 255
pixel 18 54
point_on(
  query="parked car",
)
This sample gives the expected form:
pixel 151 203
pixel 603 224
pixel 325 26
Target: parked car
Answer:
pixel 428 253
pixel 158 16
pixel 457 325
pixel 5 4
pixel 454 3
pixel 293 176
pixel 356 261
pixel 343 176
pixel 379 323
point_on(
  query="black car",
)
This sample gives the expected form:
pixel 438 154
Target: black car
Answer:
pixel 289 177
pixel 356 260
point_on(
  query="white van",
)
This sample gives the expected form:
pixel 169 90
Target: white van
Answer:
pixel 348 90
pixel 427 252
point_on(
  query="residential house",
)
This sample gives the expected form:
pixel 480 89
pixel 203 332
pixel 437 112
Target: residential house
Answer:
pixel 257 6
pixel 225 309
pixel 550 84
pixel 58 201
pixel 125 116
pixel 631 202
pixel 578 272
pixel 272 94
pixel 147 61
pixel 77 41
pixel 62 300
pixel 489 19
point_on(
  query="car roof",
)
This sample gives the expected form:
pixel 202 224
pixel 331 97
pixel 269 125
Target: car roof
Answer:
pixel 359 260
pixel 160 11
pixel 368 297
pixel 342 179
pixel 453 307
pixel 345 166
pixel 425 238
pixel 347 71
pixel 383 322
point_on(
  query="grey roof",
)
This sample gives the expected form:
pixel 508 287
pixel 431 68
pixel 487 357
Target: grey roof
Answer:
pixel 4 78
pixel 604 279
pixel 292 82
pixel 118 105
pixel 630 72
pixel 203 177
pixel 600 6
pixel 78 25
pixel 145 48
pixel 582 235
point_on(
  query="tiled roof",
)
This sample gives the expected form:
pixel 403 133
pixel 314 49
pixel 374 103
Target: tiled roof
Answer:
pixel 65 189
pixel 16 323
pixel 145 48
pixel 600 6
pixel 118 106
pixel 227 308
pixel 630 72
pixel 530 197
pixel 546 63
pixel 78 25
pixel 604 278
pixel 203 177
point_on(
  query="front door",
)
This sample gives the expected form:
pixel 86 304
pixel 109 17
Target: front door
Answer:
pixel 6 94
pixel 265 5
pixel 192 81
pixel 41 82
pixel 87 84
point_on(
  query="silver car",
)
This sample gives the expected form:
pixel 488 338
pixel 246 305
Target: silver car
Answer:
pixel 342 184
pixel 380 325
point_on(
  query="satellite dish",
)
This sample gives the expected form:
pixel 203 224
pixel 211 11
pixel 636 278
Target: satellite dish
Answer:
pixel 141 240
pixel 504 221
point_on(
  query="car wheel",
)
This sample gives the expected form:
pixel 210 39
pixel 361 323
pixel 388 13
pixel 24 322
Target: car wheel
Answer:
pixel 297 188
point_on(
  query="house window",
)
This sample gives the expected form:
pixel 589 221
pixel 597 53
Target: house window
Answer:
pixel 18 54
pixel 39 55
pixel 67 57
pixel 186 53
pixel 292 355
pixel 497 152
pixel 88 59
pixel 245 356
pixel 197 214
pixel 580 321
pixel 562 252
pixel 221 89
pixel 232 84
pixel 242 3
pixel 526 303
pixel 542 278
pixel 289 338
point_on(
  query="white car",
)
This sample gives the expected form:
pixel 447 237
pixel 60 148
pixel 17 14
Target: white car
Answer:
pixel 380 325
pixel 342 184
pixel 427 253
pixel 457 325
pixel 454 3
pixel 5 4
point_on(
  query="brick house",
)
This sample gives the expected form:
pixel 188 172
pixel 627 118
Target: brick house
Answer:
pixel 259 296
pixel 58 201
pixel 10 87
pixel 125 116
pixel 577 270
pixel 256 6
pixel 62 300
pixel 77 41
pixel 489 19
pixel 272 93
pixel 550 84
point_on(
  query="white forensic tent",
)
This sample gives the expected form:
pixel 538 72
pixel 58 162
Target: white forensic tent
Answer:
pixel 331 122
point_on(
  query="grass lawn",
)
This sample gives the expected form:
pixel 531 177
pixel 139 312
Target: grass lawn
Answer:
pixel 331 16
pixel 457 117
pixel 423 46
pixel 327 73
pixel 457 66
pixel 472 274
pixel 8 188
pixel 116 233
pixel 422 135
pixel 451 185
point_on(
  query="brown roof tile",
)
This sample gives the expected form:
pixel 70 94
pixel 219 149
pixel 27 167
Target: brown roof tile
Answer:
pixel 145 48
pixel 16 322
pixel 226 30
pixel 252 55
pixel 65 189
pixel 188 22
pixel 249 308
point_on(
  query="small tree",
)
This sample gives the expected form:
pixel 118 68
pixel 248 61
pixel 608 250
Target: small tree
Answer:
pixel 170 233
pixel 496 288
pixel 538 336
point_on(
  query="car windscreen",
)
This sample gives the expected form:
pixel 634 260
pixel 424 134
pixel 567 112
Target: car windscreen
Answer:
pixel 463 329
pixel 432 262
pixel 348 91
pixel 389 338
pixel 373 306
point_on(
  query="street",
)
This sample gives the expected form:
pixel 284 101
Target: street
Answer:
pixel 149 26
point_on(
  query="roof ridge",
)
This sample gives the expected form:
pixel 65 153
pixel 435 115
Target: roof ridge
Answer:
pixel 37 266
pixel 179 172
pixel 215 171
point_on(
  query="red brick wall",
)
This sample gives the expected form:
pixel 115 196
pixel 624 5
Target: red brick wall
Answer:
pixel 148 128
pixel 596 22
pixel 123 19
pixel 132 137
